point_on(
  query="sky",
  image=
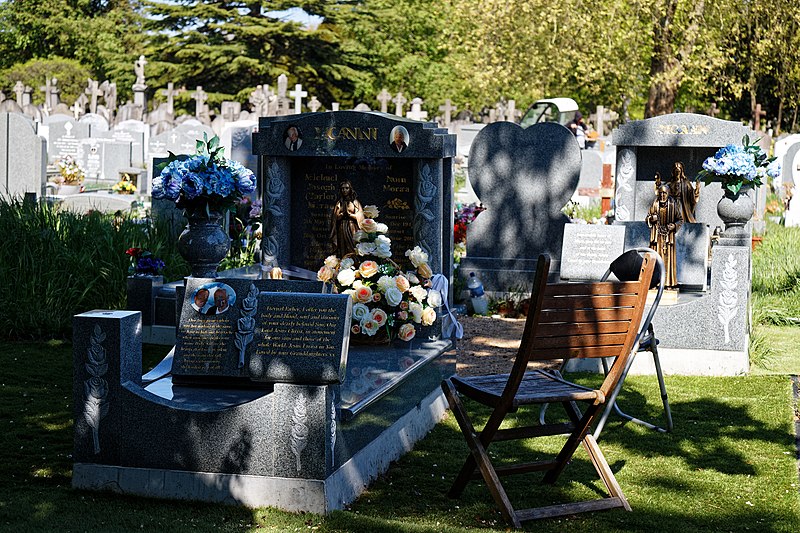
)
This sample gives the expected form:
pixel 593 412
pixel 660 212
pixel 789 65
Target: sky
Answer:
pixel 297 14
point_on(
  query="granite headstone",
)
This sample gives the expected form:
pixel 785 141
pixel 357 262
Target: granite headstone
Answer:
pixel 23 157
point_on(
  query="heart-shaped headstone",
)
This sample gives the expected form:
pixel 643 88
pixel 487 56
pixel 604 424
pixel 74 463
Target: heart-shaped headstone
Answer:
pixel 524 177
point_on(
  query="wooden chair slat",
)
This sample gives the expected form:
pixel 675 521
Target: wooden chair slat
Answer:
pixel 568 316
pixel 576 353
pixel 591 302
pixel 593 288
pixel 582 328
pixel 552 511
pixel 581 341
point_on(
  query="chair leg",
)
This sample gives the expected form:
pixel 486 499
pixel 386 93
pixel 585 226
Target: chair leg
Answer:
pixel 478 457
pixel 661 385
pixel 573 441
pixel 604 471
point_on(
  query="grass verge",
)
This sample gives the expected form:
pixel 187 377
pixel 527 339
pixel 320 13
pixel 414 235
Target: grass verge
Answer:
pixel 730 465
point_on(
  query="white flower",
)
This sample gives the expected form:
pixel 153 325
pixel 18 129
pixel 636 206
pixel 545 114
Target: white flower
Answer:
pixel 351 293
pixel 418 292
pixel 369 326
pixel 416 311
pixel 331 261
pixel 359 235
pixel 357 284
pixel 382 239
pixel 428 316
pixel 383 251
pixel 371 211
pixel 381 227
pixel 369 225
pixel 365 248
pixel 347 262
pixel 434 298
pixel 412 277
pixel 385 283
pixel 393 296
pixel 346 276
pixel 417 256
pixel 360 311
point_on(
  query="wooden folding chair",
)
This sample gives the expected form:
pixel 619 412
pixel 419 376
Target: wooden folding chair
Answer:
pixel 599 319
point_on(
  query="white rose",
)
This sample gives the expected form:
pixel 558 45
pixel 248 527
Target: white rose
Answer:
pixel 331 261
pixel 371 211
pixel 434 298
pixel 365 248
pixel 347 262
pixel 359 235
pixel 346 276
pixel 385 283
pixel 351 293
pixel 360 311
pixel 382 239
pixel 418 292
pixel 382 228
pixel 393 296
pixel 382 250
pixel 412 277
pixel 368 225
pixel 428 316
pixel 417 256
pixel 369 326
pixel 416 311
pixel 357 284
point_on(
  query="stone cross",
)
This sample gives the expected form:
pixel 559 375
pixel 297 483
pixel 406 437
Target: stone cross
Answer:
pixel 334 106
pixel 500 109
pixel 200 96
pixel 283 104
pixel 27 95
pixel 259 101
pixel 757 116
pixel 19 90
pixel 170 92
pixel 511 111
pixel 416 112
pixel 399 102
pixel 93 90
pixel 298 94
pixel 50 94
pixel 713 111
pixel 448 109
pixel 79 107
pixel 109 95
pixel 314 104
pixel 384 98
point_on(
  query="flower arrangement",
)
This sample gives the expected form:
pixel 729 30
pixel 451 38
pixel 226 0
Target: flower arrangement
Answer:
pixel 464 215
pixel 384 297
pixel 143 263
pixel 739 166
pixel 206 180
pixel 124 187
pixel 70 172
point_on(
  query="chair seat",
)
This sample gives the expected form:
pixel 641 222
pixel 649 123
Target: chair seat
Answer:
pixel 537 386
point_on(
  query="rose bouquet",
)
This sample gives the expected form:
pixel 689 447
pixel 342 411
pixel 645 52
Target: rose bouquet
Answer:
pixel 739 166
pixel 70 172
pixel 385 299
pixel 206 180
pixel 124 187
pixel 144 263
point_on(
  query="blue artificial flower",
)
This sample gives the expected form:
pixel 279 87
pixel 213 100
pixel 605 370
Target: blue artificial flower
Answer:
pixel 192 186
pixel 774 169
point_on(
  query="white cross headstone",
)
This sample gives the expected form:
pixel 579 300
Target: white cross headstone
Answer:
pixel 19 90
pixel 298 94
pixel 399 102
pixel 314 104
pixel 334 106
pixel 384 98
pixel 416 112
pixel 93 90
pixel 511 111
pixel 170 92
pixel 448 109
pixel 200 96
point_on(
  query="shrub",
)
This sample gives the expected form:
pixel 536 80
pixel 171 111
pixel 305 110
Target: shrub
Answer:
pixel 55 264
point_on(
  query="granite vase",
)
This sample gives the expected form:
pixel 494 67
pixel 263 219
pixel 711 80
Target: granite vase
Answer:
pixel 204 243
pixel 735 210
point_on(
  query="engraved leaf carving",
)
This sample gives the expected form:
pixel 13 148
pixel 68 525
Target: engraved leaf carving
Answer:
pixel 299 437
pixel 333 429
pixel 95 388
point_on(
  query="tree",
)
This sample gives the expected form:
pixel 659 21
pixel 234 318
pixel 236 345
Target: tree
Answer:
pixel 229 45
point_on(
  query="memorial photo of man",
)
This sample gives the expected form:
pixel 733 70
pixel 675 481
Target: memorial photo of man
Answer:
pixel 399 141
pixel 220 302
pixel 293 141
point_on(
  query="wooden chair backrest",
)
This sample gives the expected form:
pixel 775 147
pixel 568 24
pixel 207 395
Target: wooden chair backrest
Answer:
pixel 583 320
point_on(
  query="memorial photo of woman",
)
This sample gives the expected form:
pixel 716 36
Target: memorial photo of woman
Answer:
pixel 399 139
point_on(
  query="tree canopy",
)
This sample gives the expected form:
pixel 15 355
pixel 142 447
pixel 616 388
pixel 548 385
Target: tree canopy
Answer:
pixel 647 56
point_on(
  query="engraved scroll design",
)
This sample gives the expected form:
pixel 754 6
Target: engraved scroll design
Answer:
pixel 624 175
pixel 246 325
pixel 333 430
pixel 299 437
pixel 424 203
pixel 95 389
pixel 728 300
pixel 275 191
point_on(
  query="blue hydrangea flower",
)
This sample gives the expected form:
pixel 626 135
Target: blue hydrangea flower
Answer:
pixel 192 186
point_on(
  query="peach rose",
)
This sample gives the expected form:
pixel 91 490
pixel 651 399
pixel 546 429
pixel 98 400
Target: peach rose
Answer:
pixel 379 316
pixel 402 315
pixel 402 283
pixel 407 332
pixel 368 225
pixel 424 270
pixel 371 211
pixel 428 316
pixel 325 274
pixel 369 326
pixel 368 269
pixel 364 294
pixel 331 261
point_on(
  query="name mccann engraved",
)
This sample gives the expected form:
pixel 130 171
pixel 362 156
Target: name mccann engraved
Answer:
pixel 351 134
pixel 296 331
pixel 682 129
pixel 204 343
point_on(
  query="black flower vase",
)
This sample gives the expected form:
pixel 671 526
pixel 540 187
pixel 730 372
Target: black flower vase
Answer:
pixel 203 244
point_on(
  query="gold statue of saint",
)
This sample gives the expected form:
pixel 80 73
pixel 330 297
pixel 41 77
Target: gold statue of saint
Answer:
pixel 685 192
pixel 664 219
pixel 346 217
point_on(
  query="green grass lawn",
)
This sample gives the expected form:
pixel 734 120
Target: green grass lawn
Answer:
pixel 730 465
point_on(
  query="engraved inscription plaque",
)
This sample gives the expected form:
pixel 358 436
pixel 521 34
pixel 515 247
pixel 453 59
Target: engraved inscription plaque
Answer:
pixel 589 248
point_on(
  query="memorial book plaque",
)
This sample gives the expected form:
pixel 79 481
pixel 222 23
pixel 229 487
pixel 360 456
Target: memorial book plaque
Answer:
pixel 589 249
pixel 234 332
